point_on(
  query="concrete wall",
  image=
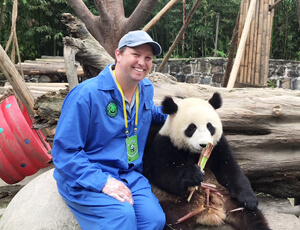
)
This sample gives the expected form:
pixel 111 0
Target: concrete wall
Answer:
pixel 282 73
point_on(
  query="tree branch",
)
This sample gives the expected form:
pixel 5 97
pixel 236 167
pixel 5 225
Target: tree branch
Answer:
pixel 82 12
pixel 2 15
pixel 108 8
pixel 298 10
pixel 271 7
pixel 140 14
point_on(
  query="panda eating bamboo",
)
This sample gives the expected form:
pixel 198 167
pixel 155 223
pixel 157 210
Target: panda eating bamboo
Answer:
pixel 171 163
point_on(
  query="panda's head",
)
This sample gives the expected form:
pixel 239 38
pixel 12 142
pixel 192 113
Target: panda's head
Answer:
pixel 193 122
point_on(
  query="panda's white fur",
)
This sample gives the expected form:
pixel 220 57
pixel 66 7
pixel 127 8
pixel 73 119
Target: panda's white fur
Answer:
pixel 201 115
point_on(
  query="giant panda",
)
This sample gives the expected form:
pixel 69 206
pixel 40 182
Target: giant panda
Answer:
pixel 170 164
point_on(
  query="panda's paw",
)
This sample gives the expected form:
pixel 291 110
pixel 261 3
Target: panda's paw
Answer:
pixel 248 200
pixel 192 176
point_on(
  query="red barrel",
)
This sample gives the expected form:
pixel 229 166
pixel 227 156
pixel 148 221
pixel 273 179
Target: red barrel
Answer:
pixel 22 151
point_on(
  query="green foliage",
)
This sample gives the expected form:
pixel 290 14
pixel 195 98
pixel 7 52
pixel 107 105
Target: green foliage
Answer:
pixel 286 37
pixel 39 29
pixel 200 34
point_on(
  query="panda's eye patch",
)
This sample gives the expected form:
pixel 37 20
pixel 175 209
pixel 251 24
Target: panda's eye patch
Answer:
pixel 190 130
pixel 210 128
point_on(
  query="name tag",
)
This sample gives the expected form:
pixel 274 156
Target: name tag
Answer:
pixel 132 148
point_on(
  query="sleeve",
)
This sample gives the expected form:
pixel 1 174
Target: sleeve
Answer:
pixel 158 117
pixel 70 159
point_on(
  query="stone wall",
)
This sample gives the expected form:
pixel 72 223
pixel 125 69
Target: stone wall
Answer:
pixel 282 73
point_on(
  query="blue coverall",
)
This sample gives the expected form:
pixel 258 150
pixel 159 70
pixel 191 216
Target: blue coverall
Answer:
pixel 89 145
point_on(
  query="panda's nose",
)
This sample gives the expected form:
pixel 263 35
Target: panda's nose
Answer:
pixel 202 145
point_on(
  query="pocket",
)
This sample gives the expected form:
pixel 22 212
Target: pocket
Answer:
pixel 147 112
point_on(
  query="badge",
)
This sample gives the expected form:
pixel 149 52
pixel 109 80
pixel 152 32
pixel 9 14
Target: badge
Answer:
pixel 132 148
pixel 112 109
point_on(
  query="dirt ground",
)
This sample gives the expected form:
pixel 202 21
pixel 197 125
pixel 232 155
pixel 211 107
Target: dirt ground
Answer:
pixel 7 193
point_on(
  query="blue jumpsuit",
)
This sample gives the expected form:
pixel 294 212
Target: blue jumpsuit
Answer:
pixel 89 145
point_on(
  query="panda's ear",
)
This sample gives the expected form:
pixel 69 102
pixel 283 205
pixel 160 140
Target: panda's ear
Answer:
pixel 169 106
pixel 216 101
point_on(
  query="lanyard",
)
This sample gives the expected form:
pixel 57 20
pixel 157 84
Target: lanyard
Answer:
pixel 124 106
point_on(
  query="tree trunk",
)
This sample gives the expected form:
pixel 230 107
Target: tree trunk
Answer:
pixel 111 24
pixel 261 125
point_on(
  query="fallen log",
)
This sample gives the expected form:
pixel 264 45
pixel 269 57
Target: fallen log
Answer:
pixel 47 68
pixel 89 53
pixel 261 125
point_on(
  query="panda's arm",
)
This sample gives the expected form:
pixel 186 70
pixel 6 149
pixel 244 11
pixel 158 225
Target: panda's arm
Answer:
pixel 167 167
pixel 230 175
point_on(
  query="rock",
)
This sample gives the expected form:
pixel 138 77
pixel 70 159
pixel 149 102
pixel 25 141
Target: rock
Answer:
pixel 38 206
pixel 280 221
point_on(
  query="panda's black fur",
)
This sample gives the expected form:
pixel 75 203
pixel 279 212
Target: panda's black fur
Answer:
pixel 170 164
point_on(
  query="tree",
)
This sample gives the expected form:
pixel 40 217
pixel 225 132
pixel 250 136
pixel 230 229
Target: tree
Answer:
pixel 111 24
pixel 39 29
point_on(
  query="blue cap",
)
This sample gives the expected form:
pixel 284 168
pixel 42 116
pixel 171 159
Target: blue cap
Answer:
pixel 137 38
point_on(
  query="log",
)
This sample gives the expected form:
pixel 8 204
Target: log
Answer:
pixel 91 55
pixel 70 64
pixel 261 125
pixel 45 67
pixel 16 80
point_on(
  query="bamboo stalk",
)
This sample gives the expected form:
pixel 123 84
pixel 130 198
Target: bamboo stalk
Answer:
pixel 264 43
pixel 244 7
pixel 205 154
pixel 241 21
pixel 251 51
pixel 191 214
pixel 258 50
pixel 247 53
pixel 269 36
pixel 242 65
pixel 240 51
pixel 254 45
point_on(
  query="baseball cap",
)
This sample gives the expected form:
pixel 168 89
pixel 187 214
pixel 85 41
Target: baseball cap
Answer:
pixel 137 38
